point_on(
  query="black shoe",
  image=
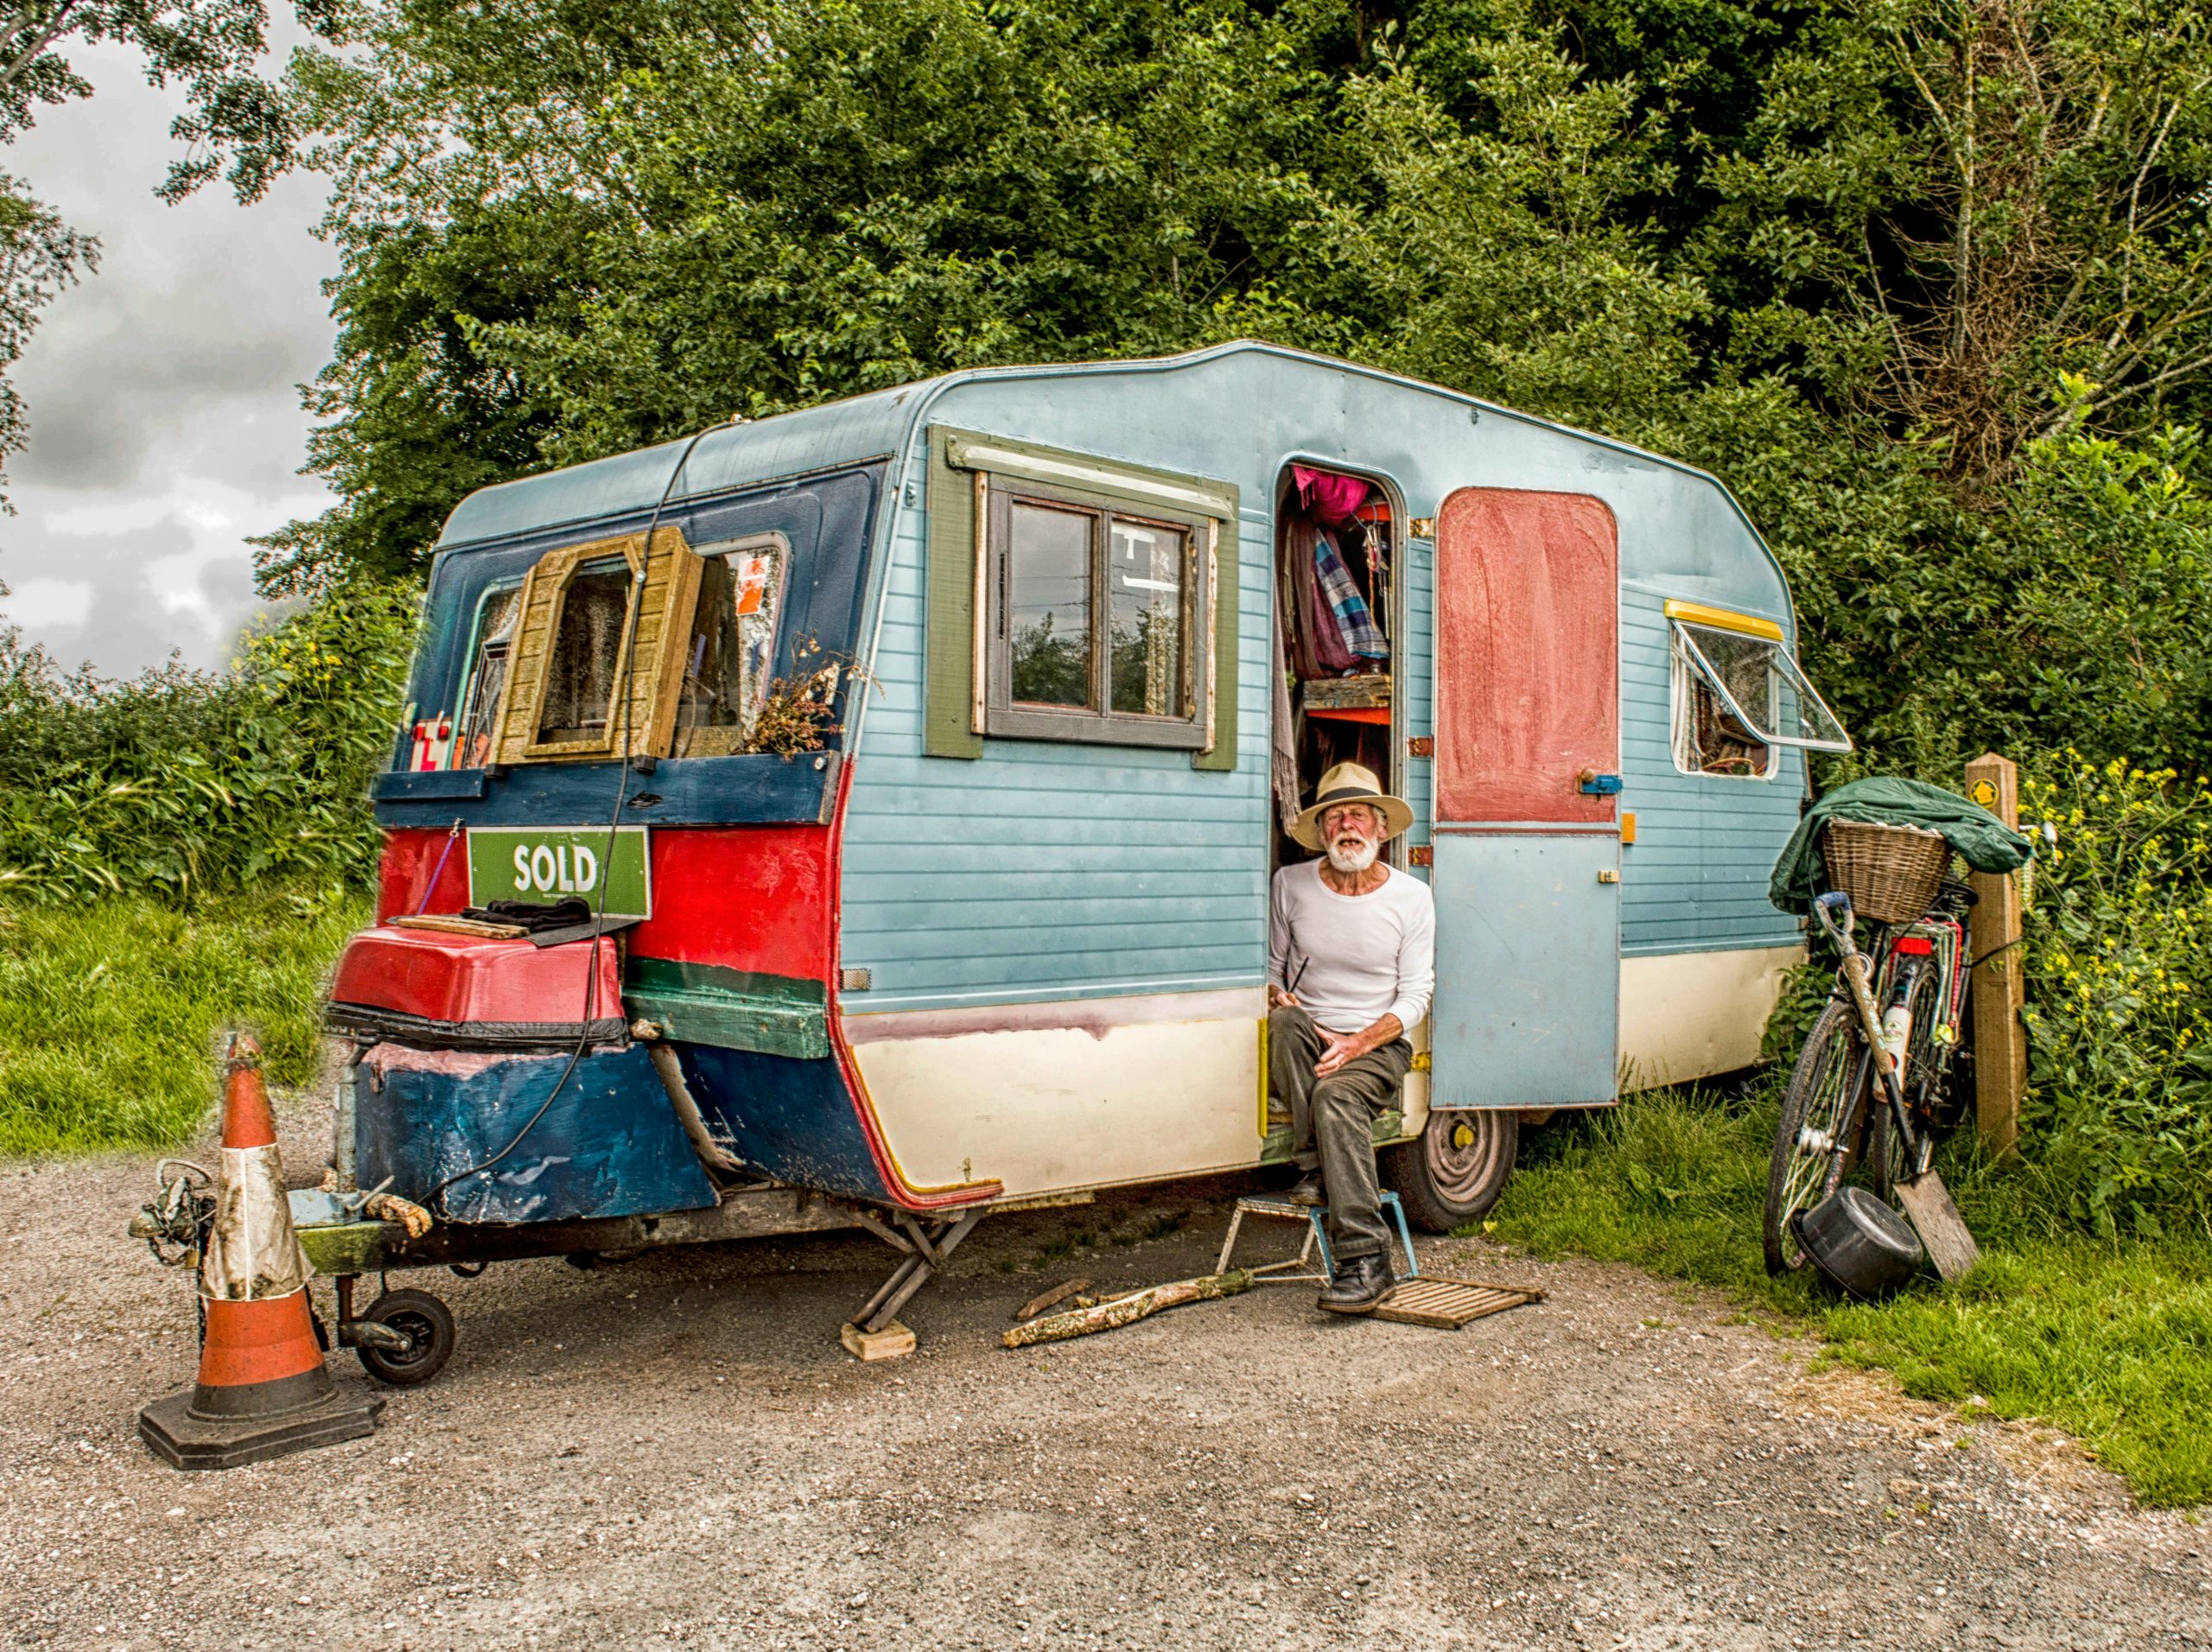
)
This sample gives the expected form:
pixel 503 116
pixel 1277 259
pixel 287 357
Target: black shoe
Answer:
pixel 1309 1191
pixel 1360 1285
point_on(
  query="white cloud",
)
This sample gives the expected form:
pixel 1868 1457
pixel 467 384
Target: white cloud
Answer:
pixel 165 423
pixel 48 603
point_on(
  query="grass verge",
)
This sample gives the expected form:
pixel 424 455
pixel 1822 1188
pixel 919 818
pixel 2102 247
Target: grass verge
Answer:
pixel 110 1014
pixel 2111 1341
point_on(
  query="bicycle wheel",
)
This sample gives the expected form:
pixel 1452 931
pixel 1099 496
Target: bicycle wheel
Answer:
pixel 1823 1113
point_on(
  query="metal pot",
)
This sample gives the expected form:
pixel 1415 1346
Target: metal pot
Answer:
pixel 1861 1244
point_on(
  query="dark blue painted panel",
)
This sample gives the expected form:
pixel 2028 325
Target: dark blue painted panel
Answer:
pixel 610 1145
pixel 751 790
pixel 826 518
pixel 427 786
pixel 793 1119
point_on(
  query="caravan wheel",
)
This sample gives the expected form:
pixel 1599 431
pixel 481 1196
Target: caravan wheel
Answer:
pixel 1456 1168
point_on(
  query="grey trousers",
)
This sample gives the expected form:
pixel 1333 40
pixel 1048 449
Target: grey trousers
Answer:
pixel 1336 1115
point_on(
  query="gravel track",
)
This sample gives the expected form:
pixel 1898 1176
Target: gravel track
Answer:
pixel 677 1451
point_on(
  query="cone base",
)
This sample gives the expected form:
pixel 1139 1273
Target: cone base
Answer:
pixel 186 1439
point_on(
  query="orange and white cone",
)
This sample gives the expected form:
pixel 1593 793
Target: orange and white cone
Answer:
pixel 263 1391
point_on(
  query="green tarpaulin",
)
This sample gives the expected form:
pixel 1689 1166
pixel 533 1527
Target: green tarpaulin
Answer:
pixel 1986 844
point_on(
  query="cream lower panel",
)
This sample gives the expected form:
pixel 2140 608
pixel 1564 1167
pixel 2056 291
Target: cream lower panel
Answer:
pixel 1043 1108
pixel 1687 1014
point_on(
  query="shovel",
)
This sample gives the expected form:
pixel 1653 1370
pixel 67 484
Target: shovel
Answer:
pixel 1928 1204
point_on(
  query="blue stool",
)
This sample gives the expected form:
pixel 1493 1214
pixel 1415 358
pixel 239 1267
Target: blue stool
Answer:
pixel 1300 1269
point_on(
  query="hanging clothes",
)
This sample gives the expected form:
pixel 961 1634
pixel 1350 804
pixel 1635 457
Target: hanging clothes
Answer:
pixel 1343 608
pixel 1330 497
pixel 1333 655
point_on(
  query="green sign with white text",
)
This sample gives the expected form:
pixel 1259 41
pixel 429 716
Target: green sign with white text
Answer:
pixel 542 865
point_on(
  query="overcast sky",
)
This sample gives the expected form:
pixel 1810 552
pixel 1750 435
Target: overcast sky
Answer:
pixel 165 426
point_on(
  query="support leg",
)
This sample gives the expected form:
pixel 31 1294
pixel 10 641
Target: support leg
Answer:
pixel 930 1252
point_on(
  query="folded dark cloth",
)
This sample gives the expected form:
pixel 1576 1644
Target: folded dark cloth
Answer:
pixel 533 915
pixel 1986 843
pixel 552 923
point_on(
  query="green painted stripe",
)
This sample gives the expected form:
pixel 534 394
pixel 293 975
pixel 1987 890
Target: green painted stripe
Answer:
pixel 733 1010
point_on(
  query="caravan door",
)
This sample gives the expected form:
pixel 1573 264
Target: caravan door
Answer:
pixel 1527 858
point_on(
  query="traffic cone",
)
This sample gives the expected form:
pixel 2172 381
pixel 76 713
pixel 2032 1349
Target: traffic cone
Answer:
pixel 263 1391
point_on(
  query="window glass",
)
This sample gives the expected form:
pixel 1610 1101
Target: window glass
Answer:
pixel 1708 738
pixel 1048 605
pixel 487 677
pixel 732 655
pixel 1145 563
pixel 1760 687
pixel 579 675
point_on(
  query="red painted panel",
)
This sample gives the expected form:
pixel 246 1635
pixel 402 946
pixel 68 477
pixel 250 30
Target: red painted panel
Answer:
pixel 757 897
pixel 1526 655
pixel 411 854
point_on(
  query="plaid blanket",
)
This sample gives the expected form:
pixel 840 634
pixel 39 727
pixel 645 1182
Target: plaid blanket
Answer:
pixel 1343 603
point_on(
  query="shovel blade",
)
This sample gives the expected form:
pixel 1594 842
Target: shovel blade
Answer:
pixel 1942 1230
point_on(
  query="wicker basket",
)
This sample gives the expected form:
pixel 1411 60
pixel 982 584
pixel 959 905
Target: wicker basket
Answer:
pixel 1890 872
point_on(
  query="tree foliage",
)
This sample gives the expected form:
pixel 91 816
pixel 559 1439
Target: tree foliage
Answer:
pixel 1925 280
pixel 235 123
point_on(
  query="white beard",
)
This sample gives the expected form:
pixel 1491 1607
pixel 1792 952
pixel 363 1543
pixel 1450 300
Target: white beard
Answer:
pixel 1355 862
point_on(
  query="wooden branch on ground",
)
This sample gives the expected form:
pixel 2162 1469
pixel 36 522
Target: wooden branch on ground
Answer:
pixel 1050 1298
pixel 1126 1310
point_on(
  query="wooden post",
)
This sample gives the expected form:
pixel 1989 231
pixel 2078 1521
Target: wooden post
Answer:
pixel 2000 985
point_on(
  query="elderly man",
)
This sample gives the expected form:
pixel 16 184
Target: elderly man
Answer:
pixel 1352 965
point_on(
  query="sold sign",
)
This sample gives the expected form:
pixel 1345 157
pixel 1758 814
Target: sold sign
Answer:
pixel 541 866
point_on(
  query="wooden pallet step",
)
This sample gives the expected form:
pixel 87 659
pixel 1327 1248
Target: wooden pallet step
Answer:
pixel 1445 1304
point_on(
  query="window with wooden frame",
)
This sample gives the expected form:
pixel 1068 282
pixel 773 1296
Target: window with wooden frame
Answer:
pixel 1738 695
pixel 590 673
pixel 1074 597
pixel 731 655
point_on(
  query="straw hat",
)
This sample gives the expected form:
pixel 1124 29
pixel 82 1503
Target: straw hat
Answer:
pixel 1349 783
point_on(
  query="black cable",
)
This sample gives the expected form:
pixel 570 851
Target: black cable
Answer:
pixel 619 733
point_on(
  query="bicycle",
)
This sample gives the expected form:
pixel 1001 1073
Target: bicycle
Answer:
pixel 1875 1084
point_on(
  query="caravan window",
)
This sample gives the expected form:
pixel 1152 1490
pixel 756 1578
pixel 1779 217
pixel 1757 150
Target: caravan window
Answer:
pixel 496 614
pixel 1738 695
pixel 1094 617
pixel 587 653
pixel 731 655
pixel 578 612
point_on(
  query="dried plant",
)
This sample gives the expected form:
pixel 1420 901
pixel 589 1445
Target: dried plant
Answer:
pixel 797 714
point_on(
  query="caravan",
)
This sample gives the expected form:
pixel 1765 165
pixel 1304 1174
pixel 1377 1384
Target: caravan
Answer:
pixel 1071 637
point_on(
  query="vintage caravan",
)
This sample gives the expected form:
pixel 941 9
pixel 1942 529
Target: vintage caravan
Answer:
pixel 997 933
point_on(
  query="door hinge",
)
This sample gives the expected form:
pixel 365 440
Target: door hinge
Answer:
pixel 1421 745
pixel 1420 854
pixel 1608 875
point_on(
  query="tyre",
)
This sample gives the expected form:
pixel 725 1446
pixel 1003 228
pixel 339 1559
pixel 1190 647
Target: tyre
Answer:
pixel 1822 1116
pixel 1455 1169
pixel 426 1322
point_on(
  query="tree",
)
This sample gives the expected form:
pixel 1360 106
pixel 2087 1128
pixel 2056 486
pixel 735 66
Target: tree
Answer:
pixel 235 123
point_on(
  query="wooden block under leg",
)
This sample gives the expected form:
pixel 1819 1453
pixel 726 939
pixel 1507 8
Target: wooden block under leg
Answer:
pixel 893 1342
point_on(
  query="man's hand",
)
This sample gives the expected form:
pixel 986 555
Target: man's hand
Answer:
pixel 1341 1048
pixel 1280 998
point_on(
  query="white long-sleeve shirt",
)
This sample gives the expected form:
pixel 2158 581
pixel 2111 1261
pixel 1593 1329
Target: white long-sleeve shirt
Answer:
pixel 1355 959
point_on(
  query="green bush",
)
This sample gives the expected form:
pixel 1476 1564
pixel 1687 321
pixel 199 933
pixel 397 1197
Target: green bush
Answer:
pixel 180 783
pixel 2119 994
